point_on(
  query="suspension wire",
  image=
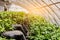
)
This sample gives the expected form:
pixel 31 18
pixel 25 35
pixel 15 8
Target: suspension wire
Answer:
pixel 47 11
pixel 55 4
pixel 52 10
pixel 49 7
pixel 51 4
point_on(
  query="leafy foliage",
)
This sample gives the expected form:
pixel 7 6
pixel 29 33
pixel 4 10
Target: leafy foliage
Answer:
pixel 9 18
pixel 42 30
pixel 39 28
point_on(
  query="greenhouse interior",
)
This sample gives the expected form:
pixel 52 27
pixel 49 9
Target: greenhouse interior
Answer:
pixel 29 20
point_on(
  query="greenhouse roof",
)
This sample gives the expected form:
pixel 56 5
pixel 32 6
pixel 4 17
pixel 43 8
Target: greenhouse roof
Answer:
pixel 49 9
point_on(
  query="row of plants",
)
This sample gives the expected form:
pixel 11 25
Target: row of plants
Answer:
pixel 42 30
pixel 39 28
pixel 7 19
